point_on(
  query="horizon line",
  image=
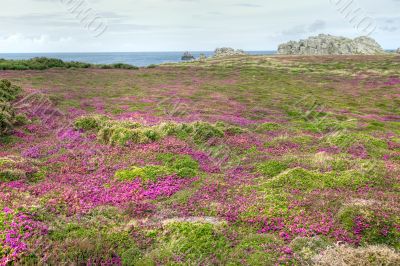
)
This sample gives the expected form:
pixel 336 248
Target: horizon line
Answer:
pixel 192 51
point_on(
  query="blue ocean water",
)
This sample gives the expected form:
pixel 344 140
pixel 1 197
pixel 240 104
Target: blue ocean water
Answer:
pixel 135 58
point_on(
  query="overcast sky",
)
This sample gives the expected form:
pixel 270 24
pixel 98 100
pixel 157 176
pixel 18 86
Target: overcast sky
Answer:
pixel 177 25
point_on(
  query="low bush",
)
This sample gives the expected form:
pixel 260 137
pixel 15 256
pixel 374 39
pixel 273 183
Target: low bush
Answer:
pixel 271 168
pixel 42 63
pixel 21 120
pixel 190 244
pixel 90 122
pixel 122 132
pixel 77 244
pixel 8 117
pixel 8 92
pixel 299 178
pixel 268 127
pixel 374 146
pixel 119 66
pixel 147 173
pixel 204 131
pixel 251 250
pixel 182 165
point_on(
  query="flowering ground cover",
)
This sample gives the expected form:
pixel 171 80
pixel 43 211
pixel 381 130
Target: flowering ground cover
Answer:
pixel 251 160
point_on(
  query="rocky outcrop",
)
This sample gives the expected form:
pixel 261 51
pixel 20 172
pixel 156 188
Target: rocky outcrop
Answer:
pixel 187 56
pixel 225 51
pixel 331 45
pixel 398 51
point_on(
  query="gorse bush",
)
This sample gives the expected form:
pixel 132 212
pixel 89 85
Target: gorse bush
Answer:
pixel 8 93
pixel 42 63
pixel 204 131
pixel 119 66
pixel 123 132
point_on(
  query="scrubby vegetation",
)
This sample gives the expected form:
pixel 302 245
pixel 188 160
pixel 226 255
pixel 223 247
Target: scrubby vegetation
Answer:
pixel 181 165
pixel 8 117
pixel 229 161
pixel 42 63
pixel 124 132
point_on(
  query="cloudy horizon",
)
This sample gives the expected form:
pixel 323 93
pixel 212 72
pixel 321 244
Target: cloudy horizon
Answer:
pixel 194 25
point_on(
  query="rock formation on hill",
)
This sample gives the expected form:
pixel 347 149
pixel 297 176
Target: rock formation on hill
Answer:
pixel 187 56
pixel 398 51
pixel 225 51
pixel 331 45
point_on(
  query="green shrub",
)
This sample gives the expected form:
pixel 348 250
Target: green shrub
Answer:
pixel 204 131
pixel 90 122
pixel 147 173
pixel 119 66
pixel 8 175
pixel 271 168
pixel 194 243
pixel 123 66
pixel 7 117
pixel 122 132
pixel 299 178
pixel 182 165
pixel 21 119
pixel 268 127
pixel 8 93
pixel 116 135
pixel 374 146
pixel 42 63
pixel 327 124
pixel 250 250
pixel 151 134
pixel 233 130
pixel 121 135
pixel 77 244
pixel 173 129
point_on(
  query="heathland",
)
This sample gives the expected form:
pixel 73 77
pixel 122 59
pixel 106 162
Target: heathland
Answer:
pixel 244 160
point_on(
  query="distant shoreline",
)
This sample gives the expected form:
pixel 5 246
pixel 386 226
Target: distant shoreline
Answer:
pixel 140 59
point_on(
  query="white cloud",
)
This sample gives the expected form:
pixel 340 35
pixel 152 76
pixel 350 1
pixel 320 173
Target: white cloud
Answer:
pixel 149 25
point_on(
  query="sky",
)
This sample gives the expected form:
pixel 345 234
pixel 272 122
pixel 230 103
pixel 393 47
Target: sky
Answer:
pixel 195 25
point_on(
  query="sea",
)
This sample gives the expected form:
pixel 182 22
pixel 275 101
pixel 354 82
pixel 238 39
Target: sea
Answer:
pixel 140 59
